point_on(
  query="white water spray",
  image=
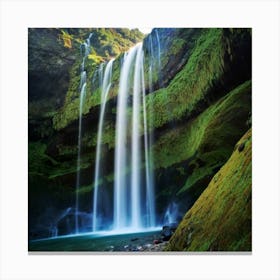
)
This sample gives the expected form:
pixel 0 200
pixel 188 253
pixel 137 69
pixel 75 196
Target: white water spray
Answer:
pixel 135 142
pixel 133 204
pixel 121 219
pixel 106 84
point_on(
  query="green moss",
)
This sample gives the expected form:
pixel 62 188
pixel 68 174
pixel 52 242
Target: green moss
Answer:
pixel 38 162
pixel 174 48
pixel 190 85
pixel 101 40
pixel 209 136
pixel 64 150
pixel 227 122
pixel 70 111
pixel 85 189
pixel 220 220
pixel 110 178
pixel 68 167
pixel 94 57
pixel 88 188
pixel 108 137
pixel 203 68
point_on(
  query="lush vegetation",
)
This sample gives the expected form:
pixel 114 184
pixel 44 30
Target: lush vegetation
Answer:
pixel 198 104
pixel 203 69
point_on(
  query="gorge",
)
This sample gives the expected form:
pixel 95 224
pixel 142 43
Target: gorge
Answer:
pixel 129 133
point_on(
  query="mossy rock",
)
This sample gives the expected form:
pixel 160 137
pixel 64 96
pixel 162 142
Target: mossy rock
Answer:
pixel 220 220
pixel 207 140
pixel 101 39
pixel 207 75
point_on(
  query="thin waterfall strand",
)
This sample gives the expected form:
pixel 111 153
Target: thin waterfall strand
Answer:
pixel 100 74
pixel 150 192
pixel 82 95
pixel 135 147
pixel 159 51
pixel 83 85
pixel 106 84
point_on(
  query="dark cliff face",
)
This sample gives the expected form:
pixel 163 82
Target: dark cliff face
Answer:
pixel 201 103
pixel 49 62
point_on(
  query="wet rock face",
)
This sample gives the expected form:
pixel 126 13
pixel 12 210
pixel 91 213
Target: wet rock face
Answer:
pixel 168 230
pixel 49 63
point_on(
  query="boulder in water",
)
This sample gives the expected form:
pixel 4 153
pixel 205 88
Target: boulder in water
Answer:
pixel 168 230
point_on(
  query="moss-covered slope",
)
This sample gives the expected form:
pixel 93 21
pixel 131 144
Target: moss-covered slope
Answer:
pixel 220 220
pixel 188 156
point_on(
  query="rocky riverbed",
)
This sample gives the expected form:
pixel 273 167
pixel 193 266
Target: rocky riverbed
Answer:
pixel 132 242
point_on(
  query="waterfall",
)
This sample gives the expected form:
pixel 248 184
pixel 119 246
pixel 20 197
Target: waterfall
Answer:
pixel 171 214
pixel 134 207
pixel 121 218
pixel 100 74
pixel 106 84
pixel 83 77
pixel 159 51
pixel 150 192
pixel 135 142
pixel 82 95
pixel 133 195
pixel 154 65
pixel 151 63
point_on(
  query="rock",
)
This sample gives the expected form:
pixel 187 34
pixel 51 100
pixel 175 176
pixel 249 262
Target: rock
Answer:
pixel 168 230
pixel 189 238
pixel 147 246
pixel 173 226
pixel 241 147
pixel 140 248
pixel 166 233
pixel 110 248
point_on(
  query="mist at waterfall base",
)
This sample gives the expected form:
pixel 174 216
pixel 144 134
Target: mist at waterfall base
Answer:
pixel 131 206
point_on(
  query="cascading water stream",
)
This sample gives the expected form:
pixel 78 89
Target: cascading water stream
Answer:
pixel 171 214
pixel 82 95
pixel 159 53
pixel 106 84
pixel 134 198
pixel 100 74
pixel 83 85
pixel 121 218
pixel 133 195
pixel 133 204
pixel 150 192
pixel 135 142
